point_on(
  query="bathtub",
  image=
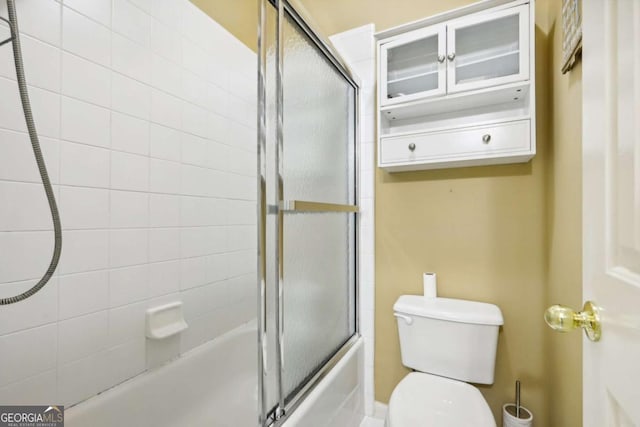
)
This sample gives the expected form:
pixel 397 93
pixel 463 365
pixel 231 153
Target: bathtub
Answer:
pixel 212 385
pixel 215 385
pixel 338 399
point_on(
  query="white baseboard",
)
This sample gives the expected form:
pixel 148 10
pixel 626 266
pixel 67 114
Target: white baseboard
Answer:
pixel 380 410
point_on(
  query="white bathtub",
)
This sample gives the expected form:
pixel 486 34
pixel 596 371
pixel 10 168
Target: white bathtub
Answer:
pixel 338 400
pixel 212 385
pixel 215 385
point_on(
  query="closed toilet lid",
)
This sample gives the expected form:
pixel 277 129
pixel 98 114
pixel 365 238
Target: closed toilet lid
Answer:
pixel 424 400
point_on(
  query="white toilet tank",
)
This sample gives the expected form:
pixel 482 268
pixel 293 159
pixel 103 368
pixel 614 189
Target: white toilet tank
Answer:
pixel 449 337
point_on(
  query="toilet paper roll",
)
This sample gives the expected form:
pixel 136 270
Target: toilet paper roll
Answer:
pixel 429 285
pixel 509 418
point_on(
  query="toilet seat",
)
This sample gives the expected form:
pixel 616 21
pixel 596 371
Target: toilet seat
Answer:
pixel 425 400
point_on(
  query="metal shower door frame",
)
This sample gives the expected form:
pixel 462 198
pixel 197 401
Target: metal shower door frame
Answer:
pixel 277 415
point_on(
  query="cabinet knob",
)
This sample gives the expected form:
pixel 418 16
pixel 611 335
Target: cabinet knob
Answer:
pixel 441 58
pixel 451 56
pixel 412 146
pixel 486 138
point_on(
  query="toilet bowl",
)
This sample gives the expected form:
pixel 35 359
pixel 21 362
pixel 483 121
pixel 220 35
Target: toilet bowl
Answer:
pixel 431 401
pixel 450 343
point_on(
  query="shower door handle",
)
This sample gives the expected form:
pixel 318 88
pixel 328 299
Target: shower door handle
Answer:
pixel 262 244
pixel 306 206
pixel 281 285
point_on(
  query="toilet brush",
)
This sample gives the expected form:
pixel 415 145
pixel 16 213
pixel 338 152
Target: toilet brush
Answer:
pixel 518 398
pixel 516 415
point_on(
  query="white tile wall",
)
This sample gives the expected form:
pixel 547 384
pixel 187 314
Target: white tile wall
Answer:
pixel 152 153
pixel 357 48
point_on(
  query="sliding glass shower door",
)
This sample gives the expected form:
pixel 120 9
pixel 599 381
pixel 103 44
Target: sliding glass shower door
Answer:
pixel 308 236
pixel 318 245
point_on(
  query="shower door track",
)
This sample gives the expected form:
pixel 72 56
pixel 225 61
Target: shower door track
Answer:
pixel 277 415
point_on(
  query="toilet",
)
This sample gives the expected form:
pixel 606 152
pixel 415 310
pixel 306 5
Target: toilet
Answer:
pixel 449 343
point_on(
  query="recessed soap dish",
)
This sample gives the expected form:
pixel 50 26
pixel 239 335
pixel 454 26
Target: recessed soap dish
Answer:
pixel 165 321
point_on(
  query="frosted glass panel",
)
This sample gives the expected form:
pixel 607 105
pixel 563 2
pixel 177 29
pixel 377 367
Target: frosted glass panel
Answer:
pixel 268 166
pixel 488 50
pixel 317 248
pixel 318 297
pixel 318 124
pixel 412 67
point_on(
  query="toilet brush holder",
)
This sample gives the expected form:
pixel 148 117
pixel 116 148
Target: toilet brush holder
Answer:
pixel 510 419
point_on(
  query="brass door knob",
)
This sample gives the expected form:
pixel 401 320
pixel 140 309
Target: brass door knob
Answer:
pixel 564 319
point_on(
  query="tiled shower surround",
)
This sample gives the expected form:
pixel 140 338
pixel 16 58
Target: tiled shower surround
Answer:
pixel 146 111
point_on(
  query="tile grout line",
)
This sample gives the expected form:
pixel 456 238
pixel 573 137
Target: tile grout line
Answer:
pixel 59 149
pixel 110 169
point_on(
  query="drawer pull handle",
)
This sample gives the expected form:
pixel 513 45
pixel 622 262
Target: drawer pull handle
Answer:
pixel 412 146
pixel 486 138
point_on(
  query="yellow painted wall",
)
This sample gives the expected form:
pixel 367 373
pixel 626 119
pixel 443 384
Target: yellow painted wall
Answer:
pixel 483 230
pixel 564 228
pixel 335 16
pixel 510 234
pixel 239 17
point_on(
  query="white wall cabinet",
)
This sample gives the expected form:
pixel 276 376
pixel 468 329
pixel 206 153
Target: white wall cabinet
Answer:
pixel 457 89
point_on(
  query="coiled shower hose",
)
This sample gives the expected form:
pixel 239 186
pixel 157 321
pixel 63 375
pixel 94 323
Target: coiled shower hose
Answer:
pixel 35 143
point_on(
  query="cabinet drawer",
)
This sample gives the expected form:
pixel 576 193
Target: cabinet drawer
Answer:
pixel 459 144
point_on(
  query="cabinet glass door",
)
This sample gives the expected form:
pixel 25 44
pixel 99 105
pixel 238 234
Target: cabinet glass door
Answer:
pixel 413 67
pixel 488 50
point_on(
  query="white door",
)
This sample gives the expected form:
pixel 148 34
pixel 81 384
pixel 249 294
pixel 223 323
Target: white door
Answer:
pixel 611 209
